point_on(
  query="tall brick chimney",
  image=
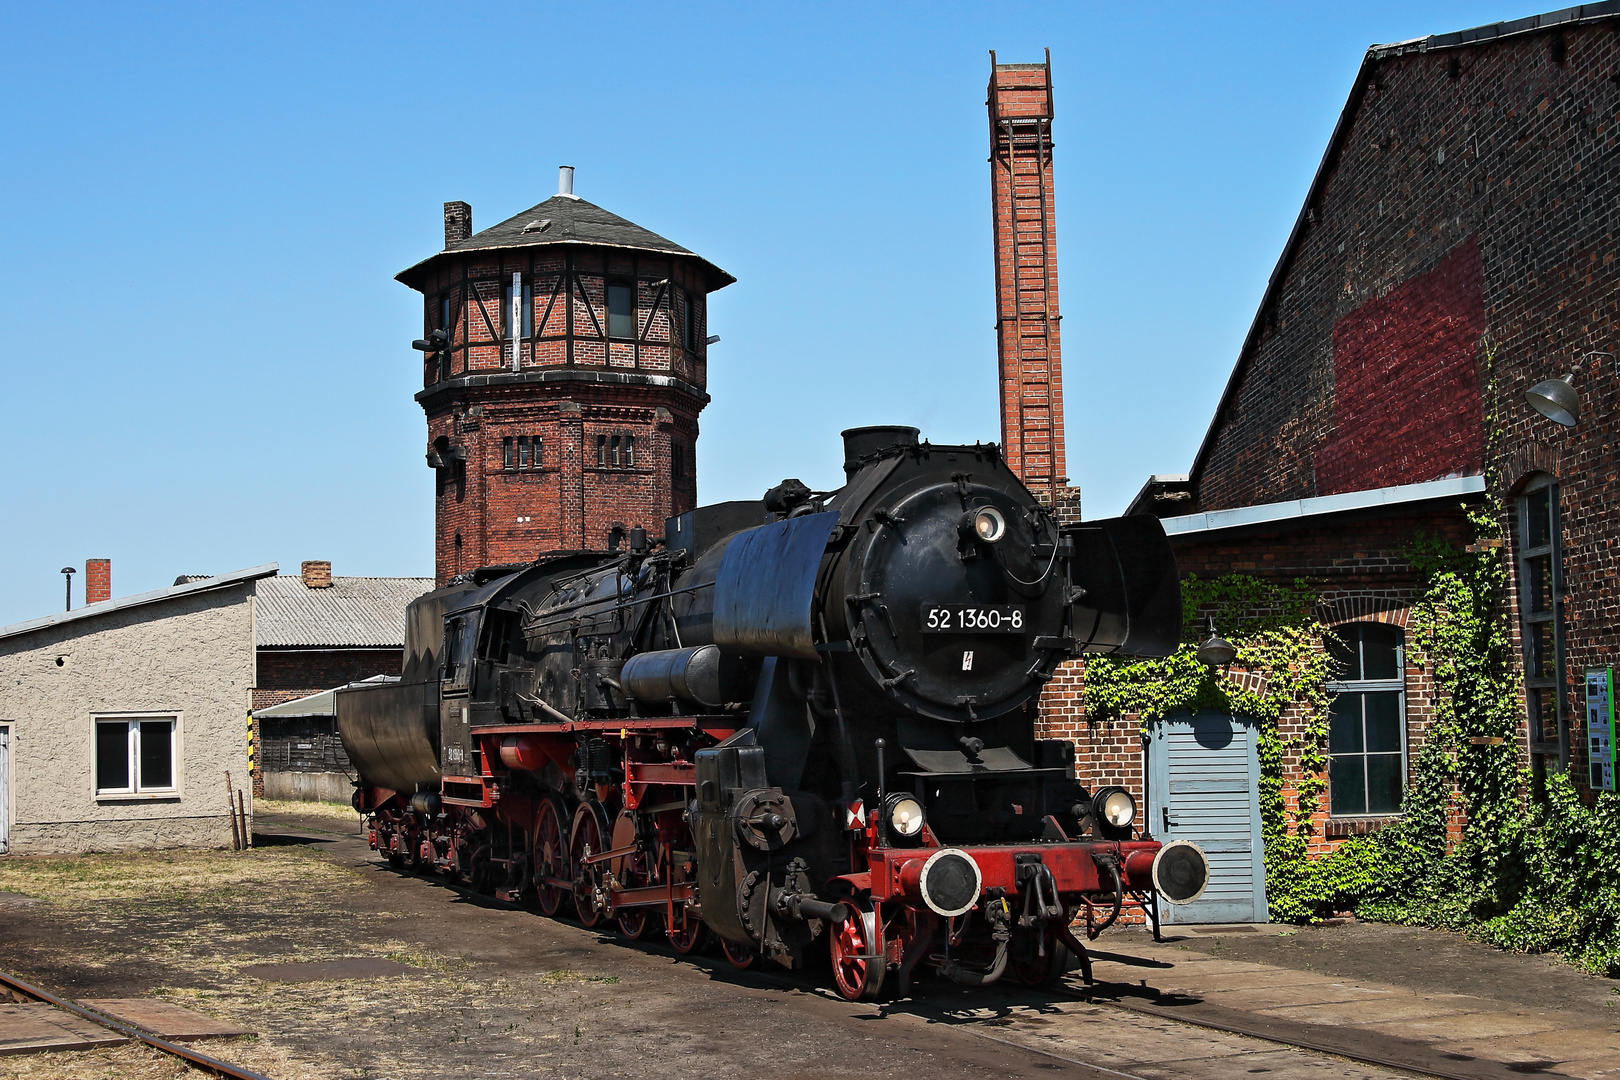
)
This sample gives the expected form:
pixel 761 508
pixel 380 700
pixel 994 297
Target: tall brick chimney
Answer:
pixel 457 222
pixel 97 580
pixel 317 574
pixel 1027 319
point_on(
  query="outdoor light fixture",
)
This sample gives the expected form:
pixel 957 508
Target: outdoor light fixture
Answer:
pixel 1557 399
pixel 67 579
pixel 1216 652
pixel 436 341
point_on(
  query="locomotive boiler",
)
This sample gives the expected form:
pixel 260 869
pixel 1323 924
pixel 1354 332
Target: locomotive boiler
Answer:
pixel 800 725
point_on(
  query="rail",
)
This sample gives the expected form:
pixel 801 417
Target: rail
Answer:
pixel 185 1053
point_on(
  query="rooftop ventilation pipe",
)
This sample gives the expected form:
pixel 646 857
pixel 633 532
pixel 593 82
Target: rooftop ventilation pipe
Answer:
pixel 565 181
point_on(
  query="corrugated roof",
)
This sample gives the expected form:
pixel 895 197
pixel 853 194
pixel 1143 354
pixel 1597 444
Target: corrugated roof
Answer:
pixel 351 612
pixel 199 585
pixel 566 219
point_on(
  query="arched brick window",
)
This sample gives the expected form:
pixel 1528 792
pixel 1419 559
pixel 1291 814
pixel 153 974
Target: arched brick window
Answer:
pixel 1367 721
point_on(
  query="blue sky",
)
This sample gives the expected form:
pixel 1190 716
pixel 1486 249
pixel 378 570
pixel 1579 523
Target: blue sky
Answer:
pixel 207 362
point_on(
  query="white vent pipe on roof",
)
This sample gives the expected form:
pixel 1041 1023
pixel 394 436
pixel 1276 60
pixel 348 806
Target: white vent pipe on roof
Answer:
pixel 565 181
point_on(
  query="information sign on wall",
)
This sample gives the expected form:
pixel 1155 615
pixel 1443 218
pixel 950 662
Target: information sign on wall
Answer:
pixel 1600 731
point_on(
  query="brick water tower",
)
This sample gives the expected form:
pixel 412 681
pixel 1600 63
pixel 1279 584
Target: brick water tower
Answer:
pixel 565 364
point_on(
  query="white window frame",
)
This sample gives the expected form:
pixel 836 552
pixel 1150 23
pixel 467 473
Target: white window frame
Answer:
pixel 135 790
pixel 1353 686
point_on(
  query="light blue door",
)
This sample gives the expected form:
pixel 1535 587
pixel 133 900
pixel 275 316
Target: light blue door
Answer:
pixel 1204 775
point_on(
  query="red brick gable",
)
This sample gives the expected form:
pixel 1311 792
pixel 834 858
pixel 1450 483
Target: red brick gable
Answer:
pixel 1406 385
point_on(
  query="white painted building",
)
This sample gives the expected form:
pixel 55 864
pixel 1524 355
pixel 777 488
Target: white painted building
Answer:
pixel 120 721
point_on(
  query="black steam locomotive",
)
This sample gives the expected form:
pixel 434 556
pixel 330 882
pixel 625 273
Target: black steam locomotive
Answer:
pixel 802 718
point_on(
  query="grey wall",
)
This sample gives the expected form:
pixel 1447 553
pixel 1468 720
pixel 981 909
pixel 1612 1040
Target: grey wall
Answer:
pixel 190 656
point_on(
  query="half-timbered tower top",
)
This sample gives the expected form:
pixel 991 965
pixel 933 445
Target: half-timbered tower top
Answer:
pixel 565 361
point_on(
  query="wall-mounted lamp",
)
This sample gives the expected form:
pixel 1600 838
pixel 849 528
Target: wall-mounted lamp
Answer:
pixel 1216 652
pixel 1557 399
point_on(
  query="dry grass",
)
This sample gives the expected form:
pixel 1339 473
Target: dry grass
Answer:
pixel 299 808
pixel 166 877
pixel 187 922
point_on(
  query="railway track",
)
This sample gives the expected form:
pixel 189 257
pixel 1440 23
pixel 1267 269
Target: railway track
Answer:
pixel 206 1062
pixel 1350 1043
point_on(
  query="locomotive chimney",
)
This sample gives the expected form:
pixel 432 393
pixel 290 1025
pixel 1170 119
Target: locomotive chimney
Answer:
pixel 565 181
pixel 861 441
pixel 97 580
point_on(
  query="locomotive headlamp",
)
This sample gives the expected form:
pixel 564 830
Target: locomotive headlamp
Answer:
pixel 988 524
pixel 1114 807
pixel 904 815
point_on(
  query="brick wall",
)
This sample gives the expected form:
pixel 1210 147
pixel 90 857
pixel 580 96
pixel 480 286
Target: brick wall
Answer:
pixel 1356 564
pixel 289 675
pixel 1458 249
pixel 579 395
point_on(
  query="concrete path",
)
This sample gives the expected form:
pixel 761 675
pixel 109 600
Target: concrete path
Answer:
pixel 1406 997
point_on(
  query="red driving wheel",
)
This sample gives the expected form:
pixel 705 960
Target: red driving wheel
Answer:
pixel 742 957
pixel 688 934
pixel 587 876
pixel 857 953
pixel 550 858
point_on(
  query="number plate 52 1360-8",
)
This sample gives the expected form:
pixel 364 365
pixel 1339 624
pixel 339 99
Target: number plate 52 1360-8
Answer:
pixel 962 619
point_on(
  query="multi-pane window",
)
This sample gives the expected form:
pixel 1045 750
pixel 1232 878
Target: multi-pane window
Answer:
pixel 520 452
pixel 690 323
pixel 1367 721
pixel 527 301
pixel 135 755
pixel 1541 619
pixel 621 310
pixel 616 451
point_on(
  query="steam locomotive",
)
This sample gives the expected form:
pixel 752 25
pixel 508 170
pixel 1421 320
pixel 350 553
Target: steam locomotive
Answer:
pixel 799 725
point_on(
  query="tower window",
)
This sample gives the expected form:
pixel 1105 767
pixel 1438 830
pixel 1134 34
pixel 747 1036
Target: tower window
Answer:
pixel 527 301
pixel 523 452
pixel 689 323
pixel 506 453
pixel 616 451
pixel 621 311
pixel 1367 721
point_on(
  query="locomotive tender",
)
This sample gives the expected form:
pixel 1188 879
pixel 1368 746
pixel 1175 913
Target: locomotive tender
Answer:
pixel 803 718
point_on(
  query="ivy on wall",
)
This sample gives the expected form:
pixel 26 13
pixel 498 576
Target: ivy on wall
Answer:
pixel 1526 876
pixel 1276 634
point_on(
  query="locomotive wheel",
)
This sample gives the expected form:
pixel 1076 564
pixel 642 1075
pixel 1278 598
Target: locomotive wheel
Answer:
pixel 857 946
pixel 550 857
pixel 587 841
pixel 1025 963
pixel 631 872
pixel 742 957
pixel 689 934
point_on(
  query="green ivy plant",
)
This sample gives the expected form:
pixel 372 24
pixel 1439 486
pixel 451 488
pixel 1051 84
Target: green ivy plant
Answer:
pixel 1275 632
